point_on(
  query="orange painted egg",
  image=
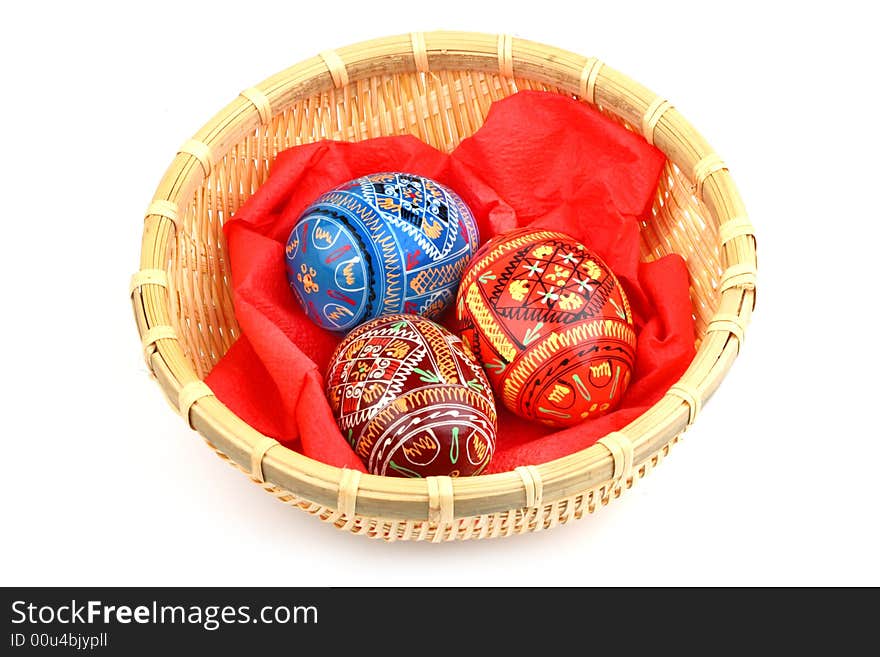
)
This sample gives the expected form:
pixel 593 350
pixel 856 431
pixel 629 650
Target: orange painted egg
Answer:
pixel 550 324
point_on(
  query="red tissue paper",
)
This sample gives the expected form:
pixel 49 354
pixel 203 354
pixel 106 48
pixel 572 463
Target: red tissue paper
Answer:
pixel 540 160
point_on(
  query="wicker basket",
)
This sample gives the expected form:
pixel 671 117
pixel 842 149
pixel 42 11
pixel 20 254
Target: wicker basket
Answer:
pixel 437 86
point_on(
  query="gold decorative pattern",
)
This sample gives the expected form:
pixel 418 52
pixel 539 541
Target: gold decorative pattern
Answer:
pixel 507 245
pixel 428 279
pixel 488 325
pixel 540 353
pixel 442 352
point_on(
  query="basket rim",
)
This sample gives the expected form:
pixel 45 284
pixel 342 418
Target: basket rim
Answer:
pixel 608 464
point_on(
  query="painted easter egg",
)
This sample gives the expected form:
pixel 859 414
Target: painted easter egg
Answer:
pixel 411 400
pixel 377 245
pixel 551 325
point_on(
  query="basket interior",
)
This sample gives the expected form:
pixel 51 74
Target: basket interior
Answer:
pixel 439 108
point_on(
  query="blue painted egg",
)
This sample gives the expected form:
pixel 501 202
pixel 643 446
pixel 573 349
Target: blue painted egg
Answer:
pixel 380 244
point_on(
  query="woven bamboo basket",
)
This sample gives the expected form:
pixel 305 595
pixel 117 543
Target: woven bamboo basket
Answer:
pixel 438 86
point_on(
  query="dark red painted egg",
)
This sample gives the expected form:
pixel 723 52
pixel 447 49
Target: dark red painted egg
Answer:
pixel 411 399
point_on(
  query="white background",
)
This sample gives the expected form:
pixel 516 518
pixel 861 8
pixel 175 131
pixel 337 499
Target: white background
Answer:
pixel 103 484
